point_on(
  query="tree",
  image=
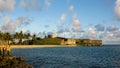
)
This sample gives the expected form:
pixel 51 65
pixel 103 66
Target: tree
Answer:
pixel 7 37
pixel 0 35
pixel 19 36
pixel 27 41
pixel 27 36
pixel 34 37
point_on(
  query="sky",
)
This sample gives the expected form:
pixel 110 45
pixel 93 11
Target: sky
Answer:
pixel 93 19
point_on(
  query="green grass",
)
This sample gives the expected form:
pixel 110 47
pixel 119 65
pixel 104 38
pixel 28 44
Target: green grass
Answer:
pixel 48 41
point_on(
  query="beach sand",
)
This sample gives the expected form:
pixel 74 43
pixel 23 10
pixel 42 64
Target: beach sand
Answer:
pixel 39 46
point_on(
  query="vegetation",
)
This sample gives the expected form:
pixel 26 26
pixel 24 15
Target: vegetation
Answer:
pixel 88 42
pixel 7 62
pixel 20 38
pixel 48 41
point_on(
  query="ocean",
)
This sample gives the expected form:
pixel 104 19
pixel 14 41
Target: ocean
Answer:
pixel 107 56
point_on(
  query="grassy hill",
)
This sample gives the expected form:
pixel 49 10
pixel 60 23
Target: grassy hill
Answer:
pixel 48 41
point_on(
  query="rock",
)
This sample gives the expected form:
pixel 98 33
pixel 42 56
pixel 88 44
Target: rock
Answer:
pixel 14 63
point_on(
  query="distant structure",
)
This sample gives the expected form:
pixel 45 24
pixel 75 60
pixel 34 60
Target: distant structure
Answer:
pixel 88 42
pixel 52 36
pixel 68 42
pixel 79 42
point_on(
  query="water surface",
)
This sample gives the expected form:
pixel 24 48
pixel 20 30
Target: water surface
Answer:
pixel 71 57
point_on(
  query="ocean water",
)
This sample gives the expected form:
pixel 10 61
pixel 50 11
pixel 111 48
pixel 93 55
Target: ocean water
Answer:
pixel 71 57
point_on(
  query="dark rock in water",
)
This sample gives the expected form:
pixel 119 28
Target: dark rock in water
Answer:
pixel 13 62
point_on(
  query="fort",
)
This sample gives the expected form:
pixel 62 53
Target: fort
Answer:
pixel 78 42
pixel 82 42
pixel 89 42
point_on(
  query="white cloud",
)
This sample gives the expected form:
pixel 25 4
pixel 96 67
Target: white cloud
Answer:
pixel 60 27
pixel 71 8
pixel 110 37
pixel 63 17
pixel 117 33
pixel 112 28
pixel 22 3
pixel 92 33
pixel 7 5
pixel 117 9
pixel 67 28
pixel 7 26
pixel 10 25
pixel 76 29
pixel 30 4
pixel 1 14
pixel 47 3
pixel 100 27
pixel 76 23
pixel 23 30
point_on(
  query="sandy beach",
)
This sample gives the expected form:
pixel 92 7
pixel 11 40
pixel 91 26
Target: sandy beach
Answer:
pixel 39 46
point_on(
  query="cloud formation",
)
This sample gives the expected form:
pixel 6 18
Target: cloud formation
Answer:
pixel 117 9
pixel 67 28
pixel 10 25
pixel 100 27
pixel 112 28
pixel 47 3
pixel 7 5
pixel 76 23
pixel 46 26
pixel 110 35
pixel 63 17
pixel 71 8
pixel 30 4
pixel 91 33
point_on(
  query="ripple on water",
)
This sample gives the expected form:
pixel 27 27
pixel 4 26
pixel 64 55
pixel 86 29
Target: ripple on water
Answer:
pixel 72 57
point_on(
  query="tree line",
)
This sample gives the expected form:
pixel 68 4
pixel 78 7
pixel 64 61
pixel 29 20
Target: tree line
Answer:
pixel 18 38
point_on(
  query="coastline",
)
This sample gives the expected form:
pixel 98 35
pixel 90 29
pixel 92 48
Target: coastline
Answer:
pixel 39 46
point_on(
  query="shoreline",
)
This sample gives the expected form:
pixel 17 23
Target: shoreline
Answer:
pixel 39 46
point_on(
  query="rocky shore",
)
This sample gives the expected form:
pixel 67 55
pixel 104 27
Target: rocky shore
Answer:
pixel 13 62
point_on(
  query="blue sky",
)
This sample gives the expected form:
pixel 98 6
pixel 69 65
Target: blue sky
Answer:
pixel 96 19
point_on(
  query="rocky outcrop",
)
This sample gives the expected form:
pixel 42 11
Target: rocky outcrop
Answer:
pixel 13 62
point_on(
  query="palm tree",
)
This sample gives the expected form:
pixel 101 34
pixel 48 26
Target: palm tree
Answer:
pixel 7 37
pixel 34 37
pixel 1 35
pixel 27 36
pixel 19 36
pixel 1 38
pixel 15 35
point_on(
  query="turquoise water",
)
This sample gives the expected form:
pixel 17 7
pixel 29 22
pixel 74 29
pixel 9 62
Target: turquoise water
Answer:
pixel 72 57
